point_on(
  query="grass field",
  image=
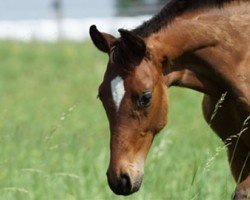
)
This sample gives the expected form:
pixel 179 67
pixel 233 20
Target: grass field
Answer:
pixel 54 136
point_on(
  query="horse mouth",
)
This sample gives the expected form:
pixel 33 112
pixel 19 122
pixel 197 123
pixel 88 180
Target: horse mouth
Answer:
pixel 125 186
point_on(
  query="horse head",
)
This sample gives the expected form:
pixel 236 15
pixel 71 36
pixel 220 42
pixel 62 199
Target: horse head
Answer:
pixel 133 94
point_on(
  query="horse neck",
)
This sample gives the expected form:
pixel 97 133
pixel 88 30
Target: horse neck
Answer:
pixel 194 52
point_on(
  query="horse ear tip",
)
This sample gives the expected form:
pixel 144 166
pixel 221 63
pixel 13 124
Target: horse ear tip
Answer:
pixel 123 31
pixel 92 28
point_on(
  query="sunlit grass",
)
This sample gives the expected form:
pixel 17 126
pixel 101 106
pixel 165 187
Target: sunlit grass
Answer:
pixel 54 136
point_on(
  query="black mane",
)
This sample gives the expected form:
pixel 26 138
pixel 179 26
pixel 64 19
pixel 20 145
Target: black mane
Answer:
pixel 170 11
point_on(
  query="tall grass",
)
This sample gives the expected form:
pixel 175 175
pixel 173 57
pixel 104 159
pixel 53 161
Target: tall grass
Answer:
pixel 54 135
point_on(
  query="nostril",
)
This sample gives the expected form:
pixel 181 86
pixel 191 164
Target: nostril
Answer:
pixel 125 183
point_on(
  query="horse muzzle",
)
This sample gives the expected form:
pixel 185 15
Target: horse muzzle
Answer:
pixel 124 183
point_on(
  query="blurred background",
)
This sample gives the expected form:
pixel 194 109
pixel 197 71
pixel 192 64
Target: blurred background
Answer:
pixel 54 133
pixel 53 19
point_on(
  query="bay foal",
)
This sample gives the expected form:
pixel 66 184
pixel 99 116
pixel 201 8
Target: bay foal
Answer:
pixel 204 49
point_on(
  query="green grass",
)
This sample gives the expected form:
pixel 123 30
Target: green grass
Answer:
pixel 54 136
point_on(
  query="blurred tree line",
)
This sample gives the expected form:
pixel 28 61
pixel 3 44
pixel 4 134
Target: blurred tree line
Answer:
pixel 138 7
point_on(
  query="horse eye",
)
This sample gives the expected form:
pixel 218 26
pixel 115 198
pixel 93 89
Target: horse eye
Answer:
pixel 145 99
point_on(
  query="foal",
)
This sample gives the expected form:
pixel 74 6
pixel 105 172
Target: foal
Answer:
pixel 206 50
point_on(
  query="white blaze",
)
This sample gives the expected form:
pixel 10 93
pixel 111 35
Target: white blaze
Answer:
pixel 118 91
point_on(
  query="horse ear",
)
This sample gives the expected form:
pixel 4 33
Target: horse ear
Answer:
pixel 133 43
pixel 103 41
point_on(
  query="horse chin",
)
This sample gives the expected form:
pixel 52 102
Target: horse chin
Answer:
pixel 137 184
